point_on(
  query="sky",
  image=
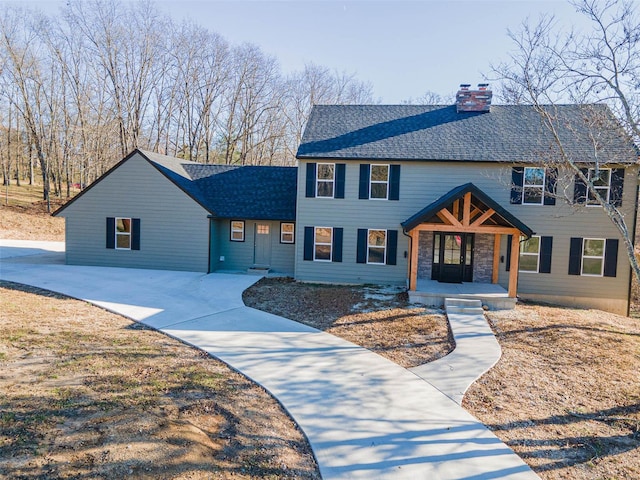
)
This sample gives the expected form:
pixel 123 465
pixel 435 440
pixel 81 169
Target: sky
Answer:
pixel 403 48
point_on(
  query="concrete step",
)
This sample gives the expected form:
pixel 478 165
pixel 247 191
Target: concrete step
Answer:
pixel 462 303
pixel 465 310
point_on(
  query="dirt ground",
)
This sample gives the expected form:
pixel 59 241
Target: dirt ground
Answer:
pixel 88 394
pixel 379 319
pixel 566 393
pixel 30 222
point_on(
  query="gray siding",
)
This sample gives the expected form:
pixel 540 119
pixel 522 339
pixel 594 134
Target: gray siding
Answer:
pixel 421 183
pixel 239 256
pixel 174 228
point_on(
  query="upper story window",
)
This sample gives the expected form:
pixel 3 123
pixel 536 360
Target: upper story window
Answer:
pixel 123 233
pixel 601 180
pixel 533 186
pixel 237 230
pixel 607 182
pixel 379 183
pixel 325 178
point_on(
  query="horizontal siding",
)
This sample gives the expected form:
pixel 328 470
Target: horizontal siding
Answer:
pixel 421 184
pixel 174 228
pixel 239 256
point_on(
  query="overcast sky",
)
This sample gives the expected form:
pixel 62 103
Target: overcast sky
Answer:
pixel 404 48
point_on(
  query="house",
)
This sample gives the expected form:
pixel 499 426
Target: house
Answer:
pixel 466 193
pixel 154 211
pixel 469 194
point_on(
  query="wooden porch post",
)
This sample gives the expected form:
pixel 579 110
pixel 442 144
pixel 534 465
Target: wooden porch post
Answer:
pixel 515 258
pixel 496 257
pixel 413 273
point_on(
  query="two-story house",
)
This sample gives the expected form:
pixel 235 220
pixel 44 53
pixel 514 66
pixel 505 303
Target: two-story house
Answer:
pixel 466 193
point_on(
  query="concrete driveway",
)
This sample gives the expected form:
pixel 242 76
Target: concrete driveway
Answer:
pixel 364 416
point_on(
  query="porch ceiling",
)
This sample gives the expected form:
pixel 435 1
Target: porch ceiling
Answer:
pixel 477 211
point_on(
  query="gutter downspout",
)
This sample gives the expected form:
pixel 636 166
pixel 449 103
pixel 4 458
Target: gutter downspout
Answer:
pixel 404 232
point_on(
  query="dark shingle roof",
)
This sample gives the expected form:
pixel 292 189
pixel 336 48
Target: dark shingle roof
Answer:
pixel 509 133
pixel 226 191
pixel 505 217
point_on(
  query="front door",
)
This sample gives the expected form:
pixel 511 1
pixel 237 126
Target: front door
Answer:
pixel 262 245
pixel 452 257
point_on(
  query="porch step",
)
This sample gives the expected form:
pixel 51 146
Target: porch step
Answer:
pixel 437 299
pixel 463 306
pixel 258 270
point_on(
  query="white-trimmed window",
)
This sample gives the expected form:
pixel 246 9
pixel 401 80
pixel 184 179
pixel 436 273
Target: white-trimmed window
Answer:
pixel 379 182
pixel 376 247
pixel 533 186
pixel 325 180
pixel 237 230
pixel 322 246
pixel 287 233
pixel 593 250
pixel 602 182
pixel 123 234
pixel 530 255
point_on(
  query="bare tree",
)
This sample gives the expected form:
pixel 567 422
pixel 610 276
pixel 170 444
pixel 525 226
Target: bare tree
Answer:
pixel 599 66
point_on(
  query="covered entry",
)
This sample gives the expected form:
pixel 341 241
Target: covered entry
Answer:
pixel 454 221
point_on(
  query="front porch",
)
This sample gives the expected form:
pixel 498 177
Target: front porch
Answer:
pixel 432 293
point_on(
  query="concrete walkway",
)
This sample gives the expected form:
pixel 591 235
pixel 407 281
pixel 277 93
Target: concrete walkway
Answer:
pixel 364 416
pixel 477 350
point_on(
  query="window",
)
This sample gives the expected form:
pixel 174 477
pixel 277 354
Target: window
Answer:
pixel 379 183
pixel 377 247
pixel 262 229
pixel 533 186
pixel 287 232
pixel 325 180
pixel 602 182
pixel 530 255
pixel 237 230
pixel 593 256
pixel 123 234
pixel 322 244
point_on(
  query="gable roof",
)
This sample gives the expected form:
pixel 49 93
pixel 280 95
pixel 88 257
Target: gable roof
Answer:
pixel 225 191
pixel 448 198
pixel 509 133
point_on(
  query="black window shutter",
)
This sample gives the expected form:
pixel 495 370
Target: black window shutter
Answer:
pixel 340 173
pixel 508 262
pixel 517 179
pixel 365 172
pixel 546 244
pixel 611 257
pixel 111 232
pixel 617 181
pixel 361 252
pixel 135 234
pixel 575 256
pixel 311 180
pixel 337 245
pixel 394 182
pixel 392 247
pixel 550 177
pixel 308 243
pixel 580 189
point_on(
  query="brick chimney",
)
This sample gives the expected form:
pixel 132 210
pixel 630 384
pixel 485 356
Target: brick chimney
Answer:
pixel 473 100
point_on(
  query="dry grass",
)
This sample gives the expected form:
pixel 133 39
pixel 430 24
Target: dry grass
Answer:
pixel 379 319
pixel 88 394
pixel 30 223
pixel 566 393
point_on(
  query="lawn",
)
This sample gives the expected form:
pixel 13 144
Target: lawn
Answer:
pixel 88 394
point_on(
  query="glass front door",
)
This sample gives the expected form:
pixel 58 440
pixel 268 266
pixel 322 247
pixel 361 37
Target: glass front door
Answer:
pixel 452 257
